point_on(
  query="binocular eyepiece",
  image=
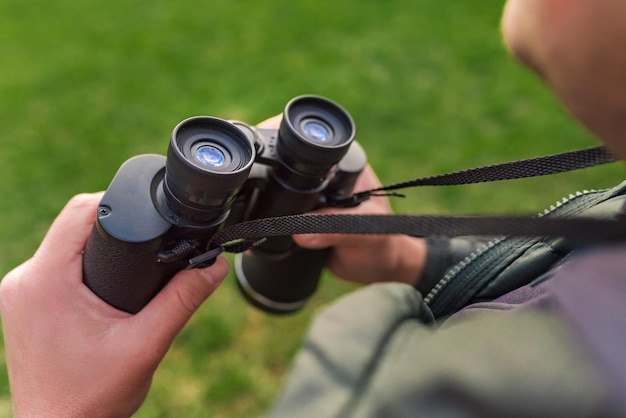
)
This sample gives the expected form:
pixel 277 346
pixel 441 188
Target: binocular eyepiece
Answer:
pixel 159 212
pixel 314 135
pixel 208 160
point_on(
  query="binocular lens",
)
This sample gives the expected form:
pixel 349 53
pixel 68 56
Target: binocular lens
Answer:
pixel 208 160
pixel 210 155
pixel 314 135
pixel 316 130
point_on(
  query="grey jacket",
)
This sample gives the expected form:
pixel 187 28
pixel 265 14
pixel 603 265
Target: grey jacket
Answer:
pixel 553 346
pixel 554 350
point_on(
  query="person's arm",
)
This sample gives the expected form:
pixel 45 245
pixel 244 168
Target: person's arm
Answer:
pixel 69 354
pixel 376 353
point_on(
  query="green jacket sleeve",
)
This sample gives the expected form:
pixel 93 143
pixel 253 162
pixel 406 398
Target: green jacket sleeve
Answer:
pixel 377 353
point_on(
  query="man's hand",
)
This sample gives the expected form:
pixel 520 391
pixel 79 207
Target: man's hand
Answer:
pixel 70 354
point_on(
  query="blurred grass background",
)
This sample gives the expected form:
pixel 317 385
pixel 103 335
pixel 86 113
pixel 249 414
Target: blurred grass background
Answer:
pixel 84 86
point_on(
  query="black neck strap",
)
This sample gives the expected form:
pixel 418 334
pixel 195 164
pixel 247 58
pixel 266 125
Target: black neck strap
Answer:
pixel 239 237
pixel 532 167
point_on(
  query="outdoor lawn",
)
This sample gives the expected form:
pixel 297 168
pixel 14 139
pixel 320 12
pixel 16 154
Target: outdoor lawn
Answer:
pixel 84 86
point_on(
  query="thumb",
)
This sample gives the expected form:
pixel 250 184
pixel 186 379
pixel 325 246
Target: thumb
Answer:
pixel 172 307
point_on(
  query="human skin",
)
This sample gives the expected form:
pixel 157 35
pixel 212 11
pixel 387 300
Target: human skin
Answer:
pixel 576 46
pixel 69 354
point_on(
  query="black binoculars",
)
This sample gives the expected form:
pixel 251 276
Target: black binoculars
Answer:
pixel 160 212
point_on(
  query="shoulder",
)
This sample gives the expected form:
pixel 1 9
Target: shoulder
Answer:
pixel 377 353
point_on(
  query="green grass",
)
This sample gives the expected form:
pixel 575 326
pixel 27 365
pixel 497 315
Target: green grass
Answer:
pixel 85 86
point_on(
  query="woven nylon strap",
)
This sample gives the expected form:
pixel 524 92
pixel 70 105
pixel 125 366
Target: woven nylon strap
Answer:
pixel 582 229
pixel 532 167
pixel 239 237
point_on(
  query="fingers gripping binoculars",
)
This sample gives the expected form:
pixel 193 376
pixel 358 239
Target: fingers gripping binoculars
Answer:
pixel 160 212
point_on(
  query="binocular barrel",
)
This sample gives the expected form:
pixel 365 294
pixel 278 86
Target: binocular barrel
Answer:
pixel 314 136
pixel 159 212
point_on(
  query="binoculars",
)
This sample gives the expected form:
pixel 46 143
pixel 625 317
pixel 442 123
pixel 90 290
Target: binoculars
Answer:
pixel 160 212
